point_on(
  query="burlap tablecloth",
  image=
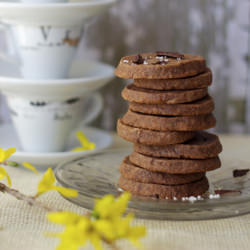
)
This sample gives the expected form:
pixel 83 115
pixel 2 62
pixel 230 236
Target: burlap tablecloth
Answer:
pixel 23 227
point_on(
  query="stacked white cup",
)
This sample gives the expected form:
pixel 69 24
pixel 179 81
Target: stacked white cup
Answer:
pixel 46 52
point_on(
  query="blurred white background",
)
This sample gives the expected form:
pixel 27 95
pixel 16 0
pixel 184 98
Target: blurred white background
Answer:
pixel 216 29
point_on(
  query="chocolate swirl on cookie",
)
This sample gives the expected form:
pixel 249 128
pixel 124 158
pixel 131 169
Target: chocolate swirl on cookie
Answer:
pixel 175 55
pixel 240 172
pixel 227 191
pixel 138 59
pixel 159 62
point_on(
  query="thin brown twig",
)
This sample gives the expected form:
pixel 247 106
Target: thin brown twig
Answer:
pixel 113 246
pixel 31 200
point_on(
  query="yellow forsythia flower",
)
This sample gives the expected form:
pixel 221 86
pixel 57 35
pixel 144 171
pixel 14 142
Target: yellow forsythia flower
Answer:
pixel 64 218
pixel 48 184
pixel 120 228
pixel 5 154
pixel 79 230
pixel 124 230
pixel 4 174
pixel 108 207
pixel 85 143
pixel 111 210
pixel 100 226
pixel 30 167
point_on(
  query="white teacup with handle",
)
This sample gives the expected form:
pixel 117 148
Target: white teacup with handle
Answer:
pixel 41 51
pixel 44 126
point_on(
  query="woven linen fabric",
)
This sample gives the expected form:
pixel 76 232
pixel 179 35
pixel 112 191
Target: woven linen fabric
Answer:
pixel 23 227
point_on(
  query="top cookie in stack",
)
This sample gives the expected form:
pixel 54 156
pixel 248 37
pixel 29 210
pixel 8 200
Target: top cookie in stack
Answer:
pixel 169 104
pixel 160 65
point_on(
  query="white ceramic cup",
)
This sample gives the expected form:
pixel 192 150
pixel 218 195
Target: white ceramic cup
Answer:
pixel 42 52
pixel 44 126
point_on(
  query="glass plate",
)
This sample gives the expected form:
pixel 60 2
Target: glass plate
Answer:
pixel 96 175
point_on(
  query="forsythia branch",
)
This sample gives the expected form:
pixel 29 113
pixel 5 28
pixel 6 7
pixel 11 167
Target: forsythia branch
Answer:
pixel 106 223
pixel 28 199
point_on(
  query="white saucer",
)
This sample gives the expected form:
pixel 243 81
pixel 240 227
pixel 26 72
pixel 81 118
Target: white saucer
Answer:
pixel 84 77
pixel 52 13
pixel 9 139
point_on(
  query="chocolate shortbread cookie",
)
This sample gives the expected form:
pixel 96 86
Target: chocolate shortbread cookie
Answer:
pixel 169 123
pixel 202 80
pixel 132 93
pixel 164 191
pixel 135 173
pixel 174 166
pixel 160 66
pixel 200 107
pixel 150 137
pixel 203 146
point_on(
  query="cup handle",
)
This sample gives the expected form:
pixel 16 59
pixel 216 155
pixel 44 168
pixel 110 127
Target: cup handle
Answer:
pixel 10 55
pixel 94 110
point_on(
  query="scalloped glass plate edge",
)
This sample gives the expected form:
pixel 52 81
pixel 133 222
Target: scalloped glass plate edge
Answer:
pixel 97 174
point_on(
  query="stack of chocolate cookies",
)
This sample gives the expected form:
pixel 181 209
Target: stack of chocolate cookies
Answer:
pixel 168 111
